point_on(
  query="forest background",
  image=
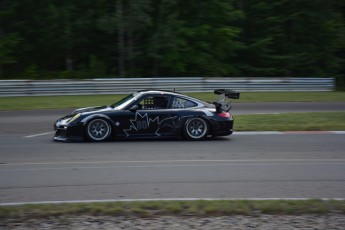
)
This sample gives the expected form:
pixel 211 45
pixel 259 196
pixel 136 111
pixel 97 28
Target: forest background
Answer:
pixel 77 39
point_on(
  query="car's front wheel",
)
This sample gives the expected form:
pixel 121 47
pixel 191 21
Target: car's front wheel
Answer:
pixel 98 130
pixel 196 129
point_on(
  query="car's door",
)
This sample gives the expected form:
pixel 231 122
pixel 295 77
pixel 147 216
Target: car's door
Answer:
pixel 151 116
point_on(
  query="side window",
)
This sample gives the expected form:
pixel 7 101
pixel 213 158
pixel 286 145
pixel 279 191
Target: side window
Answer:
pixel 180 103
pixel 154 102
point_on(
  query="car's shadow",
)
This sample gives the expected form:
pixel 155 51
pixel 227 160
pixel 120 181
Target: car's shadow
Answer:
pixel 177 140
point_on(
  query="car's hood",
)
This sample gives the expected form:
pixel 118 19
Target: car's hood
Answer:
pixel 92 109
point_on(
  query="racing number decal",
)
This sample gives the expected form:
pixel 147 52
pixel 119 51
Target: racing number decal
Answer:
pixel 141 124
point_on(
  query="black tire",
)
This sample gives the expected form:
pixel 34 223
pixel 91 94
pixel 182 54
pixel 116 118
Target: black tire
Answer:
pixel 98 130
pixel 195 128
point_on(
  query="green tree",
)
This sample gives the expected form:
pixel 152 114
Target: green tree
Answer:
pixel 260 29
pixel 145 38
pixel 8 40
pixel 212 34
pixel 7 45
pixel 312 32
pixel 124 25
pixel 189 40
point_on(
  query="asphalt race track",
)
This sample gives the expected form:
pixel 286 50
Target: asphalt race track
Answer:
pixel 34 168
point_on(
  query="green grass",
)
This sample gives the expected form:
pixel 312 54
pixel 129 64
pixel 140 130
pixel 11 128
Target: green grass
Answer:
pixel 317 121
pixel 56 102
pixel 279 96
pixel 176 208
pixel 60 102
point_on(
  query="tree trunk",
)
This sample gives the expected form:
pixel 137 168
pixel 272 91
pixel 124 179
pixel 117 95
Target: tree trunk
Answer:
pixel 121 39
pixel 130 43
pixel 1 71
pixel 69 63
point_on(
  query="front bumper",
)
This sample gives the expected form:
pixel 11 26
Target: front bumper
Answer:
pixel 68 132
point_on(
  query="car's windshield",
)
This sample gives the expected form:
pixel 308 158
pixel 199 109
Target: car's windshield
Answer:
pixel 124 101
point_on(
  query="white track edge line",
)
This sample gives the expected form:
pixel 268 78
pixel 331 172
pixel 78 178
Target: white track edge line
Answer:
pixel 285 132
pixel 177 161
pixel 338 132
pixel 39 134
pixel 258 133
pixel 165 199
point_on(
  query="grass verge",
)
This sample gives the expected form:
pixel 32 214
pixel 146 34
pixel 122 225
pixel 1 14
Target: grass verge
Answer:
pixel 280 96
pixel 60 102
pixel 177 208
pixel 318 121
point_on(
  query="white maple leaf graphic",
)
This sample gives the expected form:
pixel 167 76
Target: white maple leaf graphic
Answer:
pixel 151 123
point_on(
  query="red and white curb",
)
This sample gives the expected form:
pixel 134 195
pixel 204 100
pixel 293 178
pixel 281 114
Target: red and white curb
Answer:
pixel 287 132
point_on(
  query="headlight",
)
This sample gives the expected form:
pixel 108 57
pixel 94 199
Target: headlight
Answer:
pixel 74 118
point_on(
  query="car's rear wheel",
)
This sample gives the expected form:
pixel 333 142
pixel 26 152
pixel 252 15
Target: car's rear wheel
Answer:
pixel 98 130
pixel 196 129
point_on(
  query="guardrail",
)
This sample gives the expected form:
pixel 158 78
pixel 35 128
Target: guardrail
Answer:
pixel 192 84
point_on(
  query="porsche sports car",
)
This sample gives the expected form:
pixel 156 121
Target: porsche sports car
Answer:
pixel 150 114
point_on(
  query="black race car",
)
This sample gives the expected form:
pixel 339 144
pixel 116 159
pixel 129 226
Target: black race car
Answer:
pixel 150 114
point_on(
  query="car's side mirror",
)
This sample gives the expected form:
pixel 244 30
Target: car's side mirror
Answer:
pixel 134 108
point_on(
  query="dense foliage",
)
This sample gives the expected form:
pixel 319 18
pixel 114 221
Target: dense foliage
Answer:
pixel 148 38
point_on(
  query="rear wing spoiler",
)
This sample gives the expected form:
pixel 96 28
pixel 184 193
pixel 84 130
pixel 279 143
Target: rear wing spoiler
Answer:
pixel 227 93
pixel 223 102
